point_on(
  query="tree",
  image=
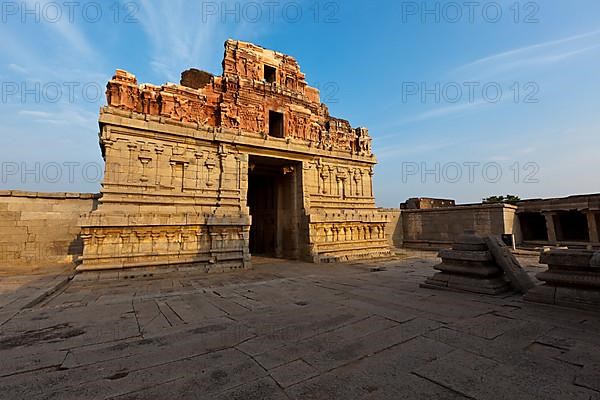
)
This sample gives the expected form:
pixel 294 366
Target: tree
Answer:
pixel 508 199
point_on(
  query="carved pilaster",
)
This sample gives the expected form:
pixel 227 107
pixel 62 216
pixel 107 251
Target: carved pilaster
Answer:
pixel 132 148
pixel 199 156
pixel 145 157
pixel 210 165
pixel 159 150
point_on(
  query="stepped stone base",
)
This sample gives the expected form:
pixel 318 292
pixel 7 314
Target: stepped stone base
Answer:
pixel 468 267
pixel 572 280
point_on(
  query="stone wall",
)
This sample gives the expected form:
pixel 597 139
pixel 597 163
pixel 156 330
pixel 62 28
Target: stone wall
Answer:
pixel 438 228
pixel 39 229
pixel 393 229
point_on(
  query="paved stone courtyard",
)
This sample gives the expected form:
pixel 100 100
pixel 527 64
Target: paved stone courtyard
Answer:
pixel 289 330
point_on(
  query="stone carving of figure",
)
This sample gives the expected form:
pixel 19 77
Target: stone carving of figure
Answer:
pixel 301 128
pixel 282 79
pixel 242 66
pixel 327 141
pixel 178 113
pixel 230 116
pixel 364 141
pixel 256 72
pixel 315 132
pixel 260 120
pixel 245 67
pixel 292 125
pixel 132 97
pixel 149 102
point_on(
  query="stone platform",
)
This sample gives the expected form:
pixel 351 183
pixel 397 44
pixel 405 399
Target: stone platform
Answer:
pixel 468 266
pixel 572 279
pixel 290 330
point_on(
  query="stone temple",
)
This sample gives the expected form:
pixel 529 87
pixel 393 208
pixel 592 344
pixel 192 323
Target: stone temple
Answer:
pixel 208 172
pixel 203 175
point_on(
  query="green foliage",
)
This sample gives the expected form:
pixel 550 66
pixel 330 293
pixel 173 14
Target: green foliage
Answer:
pixel 508 199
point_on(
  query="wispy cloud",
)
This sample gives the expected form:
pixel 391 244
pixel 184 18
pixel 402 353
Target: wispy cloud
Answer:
pixel 539 54
pixel 404 150
pixel 70 33
pixel 499 157
pixel 527 49
pixel 37 54
pixel 183 34
pixel 35 114
pixel 438 113
pixel 447 111
pixel 70 115
pixel 178 36
pixel 17 68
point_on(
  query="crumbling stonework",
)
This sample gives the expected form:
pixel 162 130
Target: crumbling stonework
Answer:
pixel 195 79
pixel 426 203
pixel 251 159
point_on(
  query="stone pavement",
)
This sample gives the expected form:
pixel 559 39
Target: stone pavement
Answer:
pixel 24 286
pixel 289 330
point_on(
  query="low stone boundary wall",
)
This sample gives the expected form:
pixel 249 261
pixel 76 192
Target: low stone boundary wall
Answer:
pixel 438 228
pixel 39 229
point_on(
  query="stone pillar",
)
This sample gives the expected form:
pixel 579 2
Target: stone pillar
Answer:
pixel 593 227
pixel 280 213
pixel 551 227
pixel 297 205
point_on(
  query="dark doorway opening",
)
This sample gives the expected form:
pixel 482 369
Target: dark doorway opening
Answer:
pixel 275 202
pixel 571 226
pixel 275 124
pixel 533 227
pixel 270 74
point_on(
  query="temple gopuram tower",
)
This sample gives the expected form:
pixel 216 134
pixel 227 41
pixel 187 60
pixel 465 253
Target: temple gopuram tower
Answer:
pixel 206 173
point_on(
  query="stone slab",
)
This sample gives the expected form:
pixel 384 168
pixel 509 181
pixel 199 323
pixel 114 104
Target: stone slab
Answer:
pixel 292 373
pixel 567 258
pixel 461 255
pixel 452 282
pixel 541 294
pixel 460 370
pixel 518 277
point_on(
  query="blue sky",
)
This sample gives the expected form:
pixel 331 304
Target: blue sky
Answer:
pixel 463 139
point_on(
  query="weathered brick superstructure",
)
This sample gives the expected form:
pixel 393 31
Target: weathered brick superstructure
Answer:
pixel 250 161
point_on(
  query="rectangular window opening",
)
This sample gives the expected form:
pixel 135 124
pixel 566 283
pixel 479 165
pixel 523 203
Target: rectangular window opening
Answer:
pixel 270 74
pixel 276 124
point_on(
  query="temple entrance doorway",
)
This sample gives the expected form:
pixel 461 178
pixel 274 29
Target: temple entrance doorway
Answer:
pixel 275 202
